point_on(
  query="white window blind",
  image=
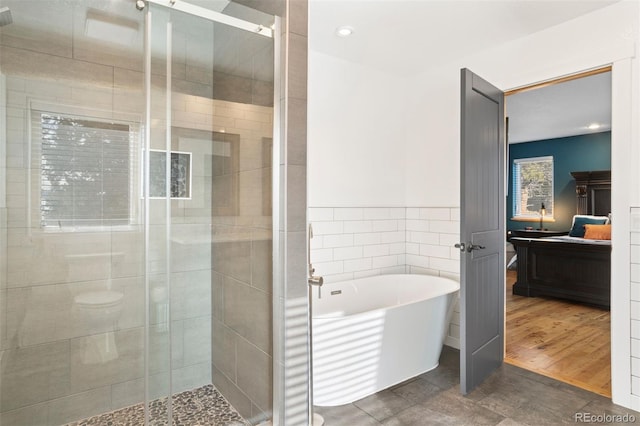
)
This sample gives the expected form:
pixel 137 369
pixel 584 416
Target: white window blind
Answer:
pixel 532 186
pixel 85 171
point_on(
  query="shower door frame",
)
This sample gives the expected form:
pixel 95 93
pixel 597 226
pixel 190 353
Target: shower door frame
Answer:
pixel 211 15
pixel 277 257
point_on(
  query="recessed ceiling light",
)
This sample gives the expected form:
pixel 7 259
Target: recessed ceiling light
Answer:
pixel 344 31
pixel 593 126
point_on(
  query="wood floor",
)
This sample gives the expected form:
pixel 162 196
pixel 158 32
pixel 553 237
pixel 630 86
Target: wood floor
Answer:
pixel 566 341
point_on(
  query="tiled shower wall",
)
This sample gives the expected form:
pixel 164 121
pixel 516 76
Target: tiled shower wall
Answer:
pixel 351 243
pixel 240 293
pixel 3 196
pixel 44 380
pixel 291 302
pixel 42 326
pixel 635 301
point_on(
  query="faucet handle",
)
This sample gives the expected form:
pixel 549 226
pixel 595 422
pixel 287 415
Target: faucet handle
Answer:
pixel 316 281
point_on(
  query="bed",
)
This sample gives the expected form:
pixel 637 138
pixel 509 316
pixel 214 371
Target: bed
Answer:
pixel 567 267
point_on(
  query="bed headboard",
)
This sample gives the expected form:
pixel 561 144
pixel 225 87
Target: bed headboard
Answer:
pixel 593 192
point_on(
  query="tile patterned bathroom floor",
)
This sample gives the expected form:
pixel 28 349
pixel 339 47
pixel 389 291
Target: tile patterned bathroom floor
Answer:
pixel 510 396
pixel 203 406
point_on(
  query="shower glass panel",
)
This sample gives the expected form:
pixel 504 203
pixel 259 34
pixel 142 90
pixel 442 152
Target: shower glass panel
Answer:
pixel 211 127
pixel 135 214
pixel 71 218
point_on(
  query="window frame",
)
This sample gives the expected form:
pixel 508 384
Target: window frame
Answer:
pixel 189 177
pixel 133 121
pixel 516 200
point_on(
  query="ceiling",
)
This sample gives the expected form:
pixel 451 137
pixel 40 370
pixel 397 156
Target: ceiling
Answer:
pixel 402 37
pixel 560 110
pixel 407 37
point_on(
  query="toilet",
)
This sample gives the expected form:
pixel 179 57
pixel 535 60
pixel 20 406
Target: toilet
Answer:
pixel 99 310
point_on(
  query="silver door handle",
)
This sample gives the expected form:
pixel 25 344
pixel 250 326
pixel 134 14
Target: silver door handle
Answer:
pixel 472 247
pixel 461 246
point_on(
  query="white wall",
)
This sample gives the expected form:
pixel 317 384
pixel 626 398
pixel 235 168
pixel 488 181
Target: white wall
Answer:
pixel 635 301
pixel 607 36
pixel 371 133
pixel 355 135
pixel 409 134
pixel 433 124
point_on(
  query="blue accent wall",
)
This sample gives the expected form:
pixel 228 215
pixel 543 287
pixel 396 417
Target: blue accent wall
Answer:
pixel 570 154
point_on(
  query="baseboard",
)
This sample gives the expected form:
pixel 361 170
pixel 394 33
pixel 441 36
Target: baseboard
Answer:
pixel 452 342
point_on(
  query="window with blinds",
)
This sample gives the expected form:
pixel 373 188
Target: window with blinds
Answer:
pixel 532 187
pixel 85 168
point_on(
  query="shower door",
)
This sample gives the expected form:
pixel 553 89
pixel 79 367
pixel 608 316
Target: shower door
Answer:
pixel 71 217
pixel 209 225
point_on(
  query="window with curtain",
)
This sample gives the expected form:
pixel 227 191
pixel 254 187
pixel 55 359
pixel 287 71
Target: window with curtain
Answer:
pixel 85 171
pixel 532 187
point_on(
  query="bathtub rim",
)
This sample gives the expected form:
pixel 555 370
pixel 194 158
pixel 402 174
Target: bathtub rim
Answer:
pixel 334 316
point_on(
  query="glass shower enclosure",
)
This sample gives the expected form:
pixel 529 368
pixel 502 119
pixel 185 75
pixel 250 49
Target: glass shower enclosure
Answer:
pixel 136 151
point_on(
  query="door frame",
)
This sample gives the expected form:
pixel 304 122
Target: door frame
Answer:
pixel 623 151
pixel 536 86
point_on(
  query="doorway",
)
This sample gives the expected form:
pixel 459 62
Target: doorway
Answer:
pixel 562 339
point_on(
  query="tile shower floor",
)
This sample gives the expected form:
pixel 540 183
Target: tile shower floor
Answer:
pixel 203 406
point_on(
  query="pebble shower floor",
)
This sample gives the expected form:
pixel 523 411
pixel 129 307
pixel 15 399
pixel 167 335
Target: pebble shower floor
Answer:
pixel 203 406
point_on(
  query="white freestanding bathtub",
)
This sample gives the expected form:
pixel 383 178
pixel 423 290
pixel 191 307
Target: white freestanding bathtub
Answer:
pixel 372 333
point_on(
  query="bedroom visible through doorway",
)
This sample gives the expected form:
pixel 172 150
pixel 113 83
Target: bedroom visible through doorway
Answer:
pixel 558 318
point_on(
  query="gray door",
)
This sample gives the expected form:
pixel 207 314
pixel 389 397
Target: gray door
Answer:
pixel 482 287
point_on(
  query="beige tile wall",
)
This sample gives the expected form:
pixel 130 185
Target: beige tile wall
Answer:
pixel 291 308
pixel 3 209
pixel 43 336
pixel 43 347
